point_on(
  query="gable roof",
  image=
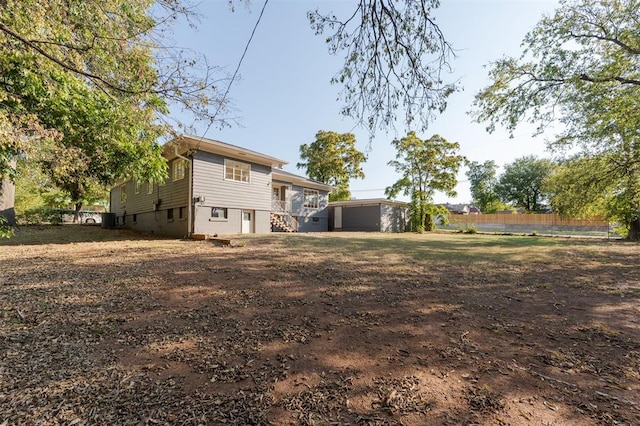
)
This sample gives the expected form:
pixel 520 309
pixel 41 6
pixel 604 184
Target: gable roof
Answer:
pixel 283 176
pixel 185 143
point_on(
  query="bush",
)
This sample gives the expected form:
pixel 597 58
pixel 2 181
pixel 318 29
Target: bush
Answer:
pixel 6 231
pixel 40 215
pixel 468 229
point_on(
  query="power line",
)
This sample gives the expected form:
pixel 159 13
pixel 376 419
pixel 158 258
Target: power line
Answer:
pixel 235 73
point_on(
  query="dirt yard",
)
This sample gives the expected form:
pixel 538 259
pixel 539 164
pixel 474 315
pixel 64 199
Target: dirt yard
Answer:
pixel 109 327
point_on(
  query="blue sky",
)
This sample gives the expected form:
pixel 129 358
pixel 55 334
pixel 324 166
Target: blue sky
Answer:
pixel 283 95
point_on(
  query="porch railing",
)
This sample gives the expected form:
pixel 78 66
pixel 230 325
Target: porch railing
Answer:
pixel 279 206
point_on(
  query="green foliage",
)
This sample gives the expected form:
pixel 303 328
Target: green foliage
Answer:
pixel 394 57
pixel 580 68
pixel 6 231
pixel 483 182
pixel 86 86
pixel 333 159
pixel 592 186
pixel 468 229
pixel 426 166
pixel 521 183
pixel 40 216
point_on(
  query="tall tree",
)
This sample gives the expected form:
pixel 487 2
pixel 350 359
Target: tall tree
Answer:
pixel 92 80
pixel 580 68
pixel 395 57
pixel 426 166
pixel 333 159
pixel 483 181
pixel 521 183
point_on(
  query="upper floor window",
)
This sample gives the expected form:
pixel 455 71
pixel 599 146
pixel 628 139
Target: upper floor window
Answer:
pixel 137 187
pixel 310 197
pixel 123 193
pixel 234 170
pixel 178 169
pixel 150 188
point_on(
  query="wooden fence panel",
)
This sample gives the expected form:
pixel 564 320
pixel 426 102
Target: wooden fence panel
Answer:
pixel 551 219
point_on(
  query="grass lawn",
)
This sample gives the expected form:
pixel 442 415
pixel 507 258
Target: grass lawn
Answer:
pixel 111 327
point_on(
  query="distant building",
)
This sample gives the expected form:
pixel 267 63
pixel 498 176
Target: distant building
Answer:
pixel 461 208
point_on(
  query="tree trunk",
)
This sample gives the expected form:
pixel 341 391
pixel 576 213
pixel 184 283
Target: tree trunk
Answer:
pixel 76 214
pixel 7 198
pixel 634 230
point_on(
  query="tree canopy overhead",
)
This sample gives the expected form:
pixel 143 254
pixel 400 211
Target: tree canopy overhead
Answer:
pixel 85 88
pixel 395 57
pixel 581 69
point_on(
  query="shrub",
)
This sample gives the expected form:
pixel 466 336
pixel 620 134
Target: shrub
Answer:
pixel 40 215
pixel 6 231
pixel 469 229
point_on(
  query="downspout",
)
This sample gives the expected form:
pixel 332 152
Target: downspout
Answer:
pixel 190 199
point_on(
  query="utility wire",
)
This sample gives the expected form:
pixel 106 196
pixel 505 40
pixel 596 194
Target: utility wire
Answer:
pixel 235 73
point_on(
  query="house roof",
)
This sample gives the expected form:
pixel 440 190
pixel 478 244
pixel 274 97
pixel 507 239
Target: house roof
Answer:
pixel 283 176
pixel 368 202
pixel 186 143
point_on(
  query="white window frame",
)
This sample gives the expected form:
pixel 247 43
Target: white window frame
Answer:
pixel 123 193
pixel 223 210
pixel 149 188
pixel 315 194
pixel 237 171
pixel 179 169
pixel 136 187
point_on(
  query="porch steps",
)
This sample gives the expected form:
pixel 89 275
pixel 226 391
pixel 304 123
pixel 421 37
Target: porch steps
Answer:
pixel 277 222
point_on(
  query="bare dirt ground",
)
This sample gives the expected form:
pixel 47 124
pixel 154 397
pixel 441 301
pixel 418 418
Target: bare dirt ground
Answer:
pixel 362 329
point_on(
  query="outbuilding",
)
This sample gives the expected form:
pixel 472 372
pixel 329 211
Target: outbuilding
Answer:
pixel 369 215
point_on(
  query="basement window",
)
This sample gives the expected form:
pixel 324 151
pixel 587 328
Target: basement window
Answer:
pixel 218 213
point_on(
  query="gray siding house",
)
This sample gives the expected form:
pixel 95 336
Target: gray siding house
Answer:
pixel 372 215
pixel 219 188
pixel 301 203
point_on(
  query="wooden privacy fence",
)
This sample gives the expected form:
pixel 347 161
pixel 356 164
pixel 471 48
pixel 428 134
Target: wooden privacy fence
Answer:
pixel 533 220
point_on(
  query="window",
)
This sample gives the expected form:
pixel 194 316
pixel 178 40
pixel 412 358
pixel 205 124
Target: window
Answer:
pixel 234 170
pixel 135 218
pixel 150 188
pixel 123 193
pixel 218 213
pixel 315 219
pixel 310 197
pixel 136 187
pixel 170 215
pixel 178 169
pixel 182 213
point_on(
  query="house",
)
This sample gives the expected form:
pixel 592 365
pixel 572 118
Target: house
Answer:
pixel 372 215
pixel 461 208
pixel 219 188
pixel 299 203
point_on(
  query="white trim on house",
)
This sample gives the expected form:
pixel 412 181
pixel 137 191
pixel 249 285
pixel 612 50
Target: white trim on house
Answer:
pixel 188 143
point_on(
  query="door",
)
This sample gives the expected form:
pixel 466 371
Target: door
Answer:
pixel 247 221
pixel 337 217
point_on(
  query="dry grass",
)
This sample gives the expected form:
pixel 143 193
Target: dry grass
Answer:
pixel 110 327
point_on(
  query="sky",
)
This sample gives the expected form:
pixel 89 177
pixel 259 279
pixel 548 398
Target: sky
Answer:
pixel 283 96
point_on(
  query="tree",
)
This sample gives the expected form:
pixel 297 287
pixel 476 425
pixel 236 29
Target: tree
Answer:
pixel 333 159
pixel 580 68
pixel 483 182
pixel 588 186
pixel 521 183
pixel 92 81
pixel 395 56
pixel 426 166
